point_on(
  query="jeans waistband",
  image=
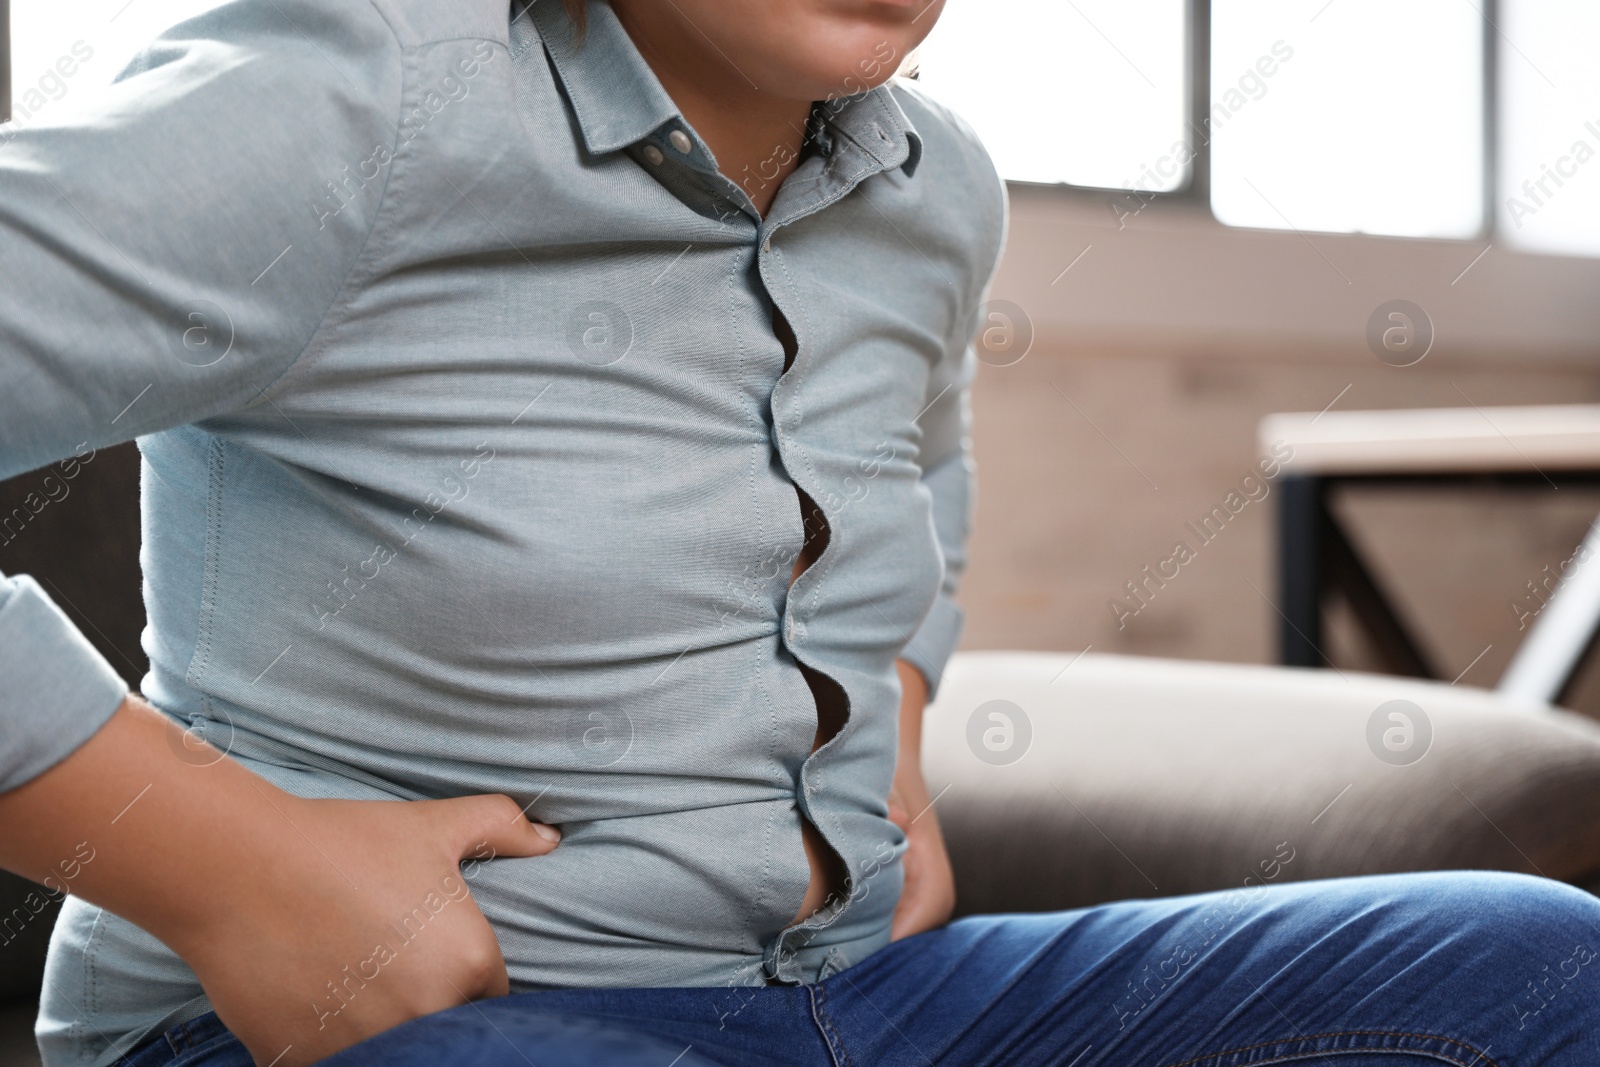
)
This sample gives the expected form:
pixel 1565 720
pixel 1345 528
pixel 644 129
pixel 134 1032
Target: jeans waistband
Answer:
pixel 177 1040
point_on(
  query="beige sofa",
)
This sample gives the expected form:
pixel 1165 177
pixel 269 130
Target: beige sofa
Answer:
pixel 1146 777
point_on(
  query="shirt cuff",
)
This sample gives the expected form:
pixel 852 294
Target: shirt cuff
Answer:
pixel 56 691
pixel 935 641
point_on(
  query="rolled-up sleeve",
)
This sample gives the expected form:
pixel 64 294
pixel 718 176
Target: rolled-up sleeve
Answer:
pixel 168 251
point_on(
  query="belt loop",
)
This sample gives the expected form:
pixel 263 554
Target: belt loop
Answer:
pixel 172 1038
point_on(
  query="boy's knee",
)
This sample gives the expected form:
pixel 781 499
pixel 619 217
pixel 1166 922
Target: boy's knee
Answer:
pixel 1539 913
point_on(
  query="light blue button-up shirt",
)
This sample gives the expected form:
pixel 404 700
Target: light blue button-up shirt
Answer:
pixel 471 464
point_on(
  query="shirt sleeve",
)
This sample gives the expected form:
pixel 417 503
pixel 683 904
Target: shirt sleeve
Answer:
pixel 169 248
pixel 950 478
pixel 58 690
pixel 948 470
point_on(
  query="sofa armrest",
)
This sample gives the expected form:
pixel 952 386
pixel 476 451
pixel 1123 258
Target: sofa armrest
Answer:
pixel 1136 777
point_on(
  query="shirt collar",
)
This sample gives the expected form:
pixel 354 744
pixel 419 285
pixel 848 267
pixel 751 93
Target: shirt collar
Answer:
pixel 875 124
pixel 613 91
pixel 618 101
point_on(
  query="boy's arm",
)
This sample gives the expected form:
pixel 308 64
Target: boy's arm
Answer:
pixel 268 896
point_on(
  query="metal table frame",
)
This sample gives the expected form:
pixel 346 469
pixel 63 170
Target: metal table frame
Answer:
pixel 1316 558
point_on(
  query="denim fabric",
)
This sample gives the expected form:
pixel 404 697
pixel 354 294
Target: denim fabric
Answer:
pixel 1469 969
pixel 471 463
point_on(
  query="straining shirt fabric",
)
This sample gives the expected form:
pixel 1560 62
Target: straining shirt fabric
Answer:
pixel 471 464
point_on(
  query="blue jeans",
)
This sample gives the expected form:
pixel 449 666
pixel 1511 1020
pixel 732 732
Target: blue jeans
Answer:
pixel 1465 968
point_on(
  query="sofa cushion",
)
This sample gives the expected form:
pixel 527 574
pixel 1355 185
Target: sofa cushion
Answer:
pixel 1070 781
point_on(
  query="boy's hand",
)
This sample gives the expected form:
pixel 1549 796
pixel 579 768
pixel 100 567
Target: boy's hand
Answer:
pixel 929 895
pixel 358 924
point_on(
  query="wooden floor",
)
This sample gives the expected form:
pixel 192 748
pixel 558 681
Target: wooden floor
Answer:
pixel 1092 461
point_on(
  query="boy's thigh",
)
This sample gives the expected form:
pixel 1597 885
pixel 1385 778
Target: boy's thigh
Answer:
pixel 1462 967
pixel 503 1034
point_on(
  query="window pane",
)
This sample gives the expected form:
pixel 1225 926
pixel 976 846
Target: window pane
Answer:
pixel 63 53
pixel 1550 125
pixel 1083 91
pixel 1348 115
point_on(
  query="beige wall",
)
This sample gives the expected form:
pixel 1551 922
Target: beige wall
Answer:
pixel 1135 411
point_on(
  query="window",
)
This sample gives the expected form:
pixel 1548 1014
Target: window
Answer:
pixel 1089 92
pixel 1549 168
pixel 1359 116
pixel 1356 116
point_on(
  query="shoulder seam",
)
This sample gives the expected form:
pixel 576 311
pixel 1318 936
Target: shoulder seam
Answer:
pixel 963 131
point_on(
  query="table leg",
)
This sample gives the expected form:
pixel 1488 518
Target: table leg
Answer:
pixel 1302 508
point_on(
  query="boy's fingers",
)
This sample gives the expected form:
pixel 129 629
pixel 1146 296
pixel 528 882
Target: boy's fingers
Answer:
pixel 493 825
pixel 897 811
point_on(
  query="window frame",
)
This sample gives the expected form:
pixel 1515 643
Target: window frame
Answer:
pixel 1196 191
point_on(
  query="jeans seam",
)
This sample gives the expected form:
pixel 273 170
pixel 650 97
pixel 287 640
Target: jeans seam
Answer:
pixel 830 1033
pixel 1479 1060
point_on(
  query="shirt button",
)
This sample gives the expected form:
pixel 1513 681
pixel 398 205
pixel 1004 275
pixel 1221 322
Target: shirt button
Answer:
pixel 766 246
pixel 653 154
pixel 680 141
pixel 788 628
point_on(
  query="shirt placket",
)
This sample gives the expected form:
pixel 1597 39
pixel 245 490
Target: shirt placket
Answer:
pixel 682 163
pixel 844 168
